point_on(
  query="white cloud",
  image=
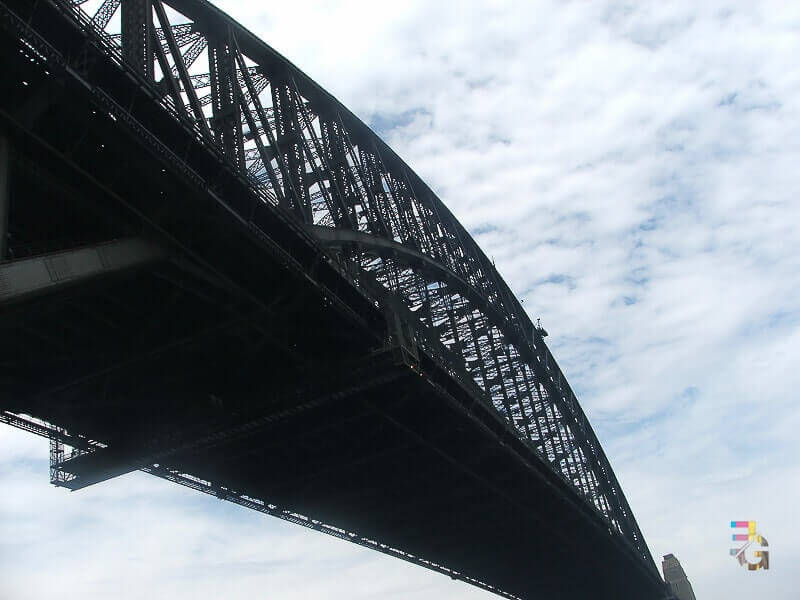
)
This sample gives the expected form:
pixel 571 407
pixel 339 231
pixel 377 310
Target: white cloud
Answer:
pixel 634 170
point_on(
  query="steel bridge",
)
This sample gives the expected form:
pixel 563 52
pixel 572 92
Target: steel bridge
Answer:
pixel 213 272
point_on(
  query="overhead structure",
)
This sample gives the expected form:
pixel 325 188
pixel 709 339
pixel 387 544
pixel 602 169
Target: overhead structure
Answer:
pixel 277 271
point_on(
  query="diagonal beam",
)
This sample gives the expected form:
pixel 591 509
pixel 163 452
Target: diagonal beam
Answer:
pixel 182 72
pixel 168 79
pixel 103 15
pixel 194 51
pixel 304 119
pixel 266 155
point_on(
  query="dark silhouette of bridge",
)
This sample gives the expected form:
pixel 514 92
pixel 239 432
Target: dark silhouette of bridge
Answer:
pixel 213 272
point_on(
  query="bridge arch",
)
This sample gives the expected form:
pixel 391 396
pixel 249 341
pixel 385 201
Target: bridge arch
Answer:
pixel 318 166
pixel 308 155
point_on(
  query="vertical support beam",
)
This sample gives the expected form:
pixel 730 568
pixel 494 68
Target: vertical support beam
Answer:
pixel 518 393
pixel 335 194
pixel 371 201
pixel 5 175
pixel 337 150
pixel 398 200
pixel 226 120
pixel 56 459
pixel 137 35
pixel 290 145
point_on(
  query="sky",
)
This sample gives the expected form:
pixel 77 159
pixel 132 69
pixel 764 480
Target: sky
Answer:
pixel 633 170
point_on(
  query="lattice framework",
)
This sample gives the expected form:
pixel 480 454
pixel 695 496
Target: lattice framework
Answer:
pixel 304 153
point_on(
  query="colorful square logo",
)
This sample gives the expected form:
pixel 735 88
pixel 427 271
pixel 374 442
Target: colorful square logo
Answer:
pixel 752 537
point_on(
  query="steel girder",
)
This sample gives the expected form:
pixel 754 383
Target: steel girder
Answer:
pixel 23 278
pixel 305 153
pixel 137 36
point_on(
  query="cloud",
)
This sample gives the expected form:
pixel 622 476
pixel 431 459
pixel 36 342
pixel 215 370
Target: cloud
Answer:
pixel 632 170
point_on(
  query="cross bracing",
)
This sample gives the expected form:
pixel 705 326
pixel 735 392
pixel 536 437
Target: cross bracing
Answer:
pixel 306 155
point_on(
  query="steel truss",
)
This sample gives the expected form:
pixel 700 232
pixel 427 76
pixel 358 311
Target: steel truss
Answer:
pixel 306 154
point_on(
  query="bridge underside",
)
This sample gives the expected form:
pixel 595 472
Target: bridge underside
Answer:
pixel 361 442
pixel 150 319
